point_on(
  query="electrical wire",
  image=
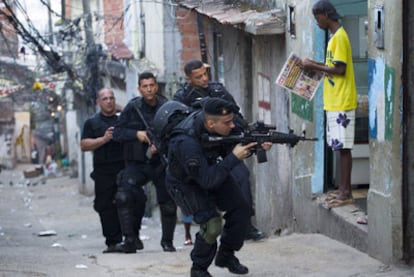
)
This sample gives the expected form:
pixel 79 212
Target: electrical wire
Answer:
pixel 50 8
pixel 6 41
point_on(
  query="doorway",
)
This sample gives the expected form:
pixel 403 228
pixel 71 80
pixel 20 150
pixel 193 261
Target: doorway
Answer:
pixel 355 22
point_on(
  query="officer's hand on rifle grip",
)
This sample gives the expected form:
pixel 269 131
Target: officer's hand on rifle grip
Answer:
pixel 142 137
pixel 266 145
pixel 243 151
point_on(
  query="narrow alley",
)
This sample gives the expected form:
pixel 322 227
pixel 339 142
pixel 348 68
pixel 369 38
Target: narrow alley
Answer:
pixel 47 228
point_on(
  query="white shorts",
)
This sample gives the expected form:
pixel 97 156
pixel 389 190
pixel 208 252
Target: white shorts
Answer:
pixel 340 129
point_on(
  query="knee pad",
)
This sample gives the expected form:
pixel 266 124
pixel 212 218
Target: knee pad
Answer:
pixel 210 230
pixel 122 198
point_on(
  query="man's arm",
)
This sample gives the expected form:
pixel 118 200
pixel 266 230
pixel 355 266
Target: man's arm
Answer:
pixel 196 166
pixel 90 144
pixel 338 69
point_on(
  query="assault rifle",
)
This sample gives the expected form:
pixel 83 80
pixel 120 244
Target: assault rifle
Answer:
pixel 256 132
pixel 151 136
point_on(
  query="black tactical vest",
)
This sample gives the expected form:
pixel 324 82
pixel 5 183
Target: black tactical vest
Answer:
pixel 110 151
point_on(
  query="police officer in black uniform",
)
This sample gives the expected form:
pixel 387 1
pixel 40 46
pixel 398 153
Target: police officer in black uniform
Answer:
pixel 143 164
pixel 198 87
pixel 107 162
pixel 200 180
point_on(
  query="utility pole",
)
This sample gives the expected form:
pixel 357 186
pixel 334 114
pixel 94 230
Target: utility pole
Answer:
pixel 94 52
pixel 49 15
pixel 90 42
pixel 62 5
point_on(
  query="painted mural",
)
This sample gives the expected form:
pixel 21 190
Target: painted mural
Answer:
pixel 22 136
pixel 381 78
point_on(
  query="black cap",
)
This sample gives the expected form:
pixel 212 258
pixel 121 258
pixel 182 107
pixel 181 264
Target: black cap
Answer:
pixel 325 7
pixel 217 106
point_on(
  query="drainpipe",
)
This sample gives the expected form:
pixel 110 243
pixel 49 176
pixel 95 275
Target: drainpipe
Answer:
pixel 202 38
pixel 406 211
pixel 142 30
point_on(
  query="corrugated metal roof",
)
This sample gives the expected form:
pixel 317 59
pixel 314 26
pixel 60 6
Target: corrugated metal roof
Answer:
pixel 250 18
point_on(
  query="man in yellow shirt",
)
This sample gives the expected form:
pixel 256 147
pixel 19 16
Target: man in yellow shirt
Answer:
pixel 339 96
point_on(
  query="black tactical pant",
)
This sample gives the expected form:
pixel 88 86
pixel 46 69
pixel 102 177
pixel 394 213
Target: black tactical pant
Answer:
pixel 104 202
pixel 241 175
pixel 229 199
pixel 132 209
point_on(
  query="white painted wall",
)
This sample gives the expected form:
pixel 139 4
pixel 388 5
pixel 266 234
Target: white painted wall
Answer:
pixel 154 37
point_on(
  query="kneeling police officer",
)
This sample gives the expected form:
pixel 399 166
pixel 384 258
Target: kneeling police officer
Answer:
pixel 201 183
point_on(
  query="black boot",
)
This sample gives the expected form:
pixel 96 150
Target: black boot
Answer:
pixel 138 244
pixel 168 222
pixel 197 271
pixel 167 246
pixel 227 259
pixel 127 221
pixel 128 246
pixel 113 248
pixel 254 234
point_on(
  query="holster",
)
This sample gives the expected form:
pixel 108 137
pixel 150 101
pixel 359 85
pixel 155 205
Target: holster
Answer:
pixel 190 199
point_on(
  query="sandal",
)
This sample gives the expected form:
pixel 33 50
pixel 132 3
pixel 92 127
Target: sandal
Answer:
pixel 330 197
pixel 188 242
pixel 333 192
pixel 338 203
pixel 362 220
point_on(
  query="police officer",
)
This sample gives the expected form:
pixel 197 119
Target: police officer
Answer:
pixel 107 162
pixel 198 87
pixel 200 181
pixel 143 164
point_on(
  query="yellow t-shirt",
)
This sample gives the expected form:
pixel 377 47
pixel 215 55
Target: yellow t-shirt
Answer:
pixel 339 91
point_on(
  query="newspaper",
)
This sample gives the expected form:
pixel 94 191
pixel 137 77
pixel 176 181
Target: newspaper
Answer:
pixel 302 82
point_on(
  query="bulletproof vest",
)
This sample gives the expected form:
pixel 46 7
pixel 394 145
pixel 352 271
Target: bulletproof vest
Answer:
pixel 192 126
pixel 191 95
pixel 110 151
pixel 186 126
pixel 136 150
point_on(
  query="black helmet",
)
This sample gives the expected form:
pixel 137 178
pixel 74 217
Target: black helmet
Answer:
pixel 168 116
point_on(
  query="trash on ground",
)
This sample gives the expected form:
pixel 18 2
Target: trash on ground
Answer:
pixel 47 233
pixel 81 266
pixel 57 245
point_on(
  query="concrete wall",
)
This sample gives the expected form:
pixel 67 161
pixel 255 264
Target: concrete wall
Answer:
pixel 172 50
pixel 273 180
pixel 132 26
pixel 154 36
pixel 408 86
pixel 307 157
pixel 384 198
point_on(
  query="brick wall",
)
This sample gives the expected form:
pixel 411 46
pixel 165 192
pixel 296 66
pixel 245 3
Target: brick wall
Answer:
pixel 113 21
pixel 187 26
pixel 8 39
pixel 68 9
